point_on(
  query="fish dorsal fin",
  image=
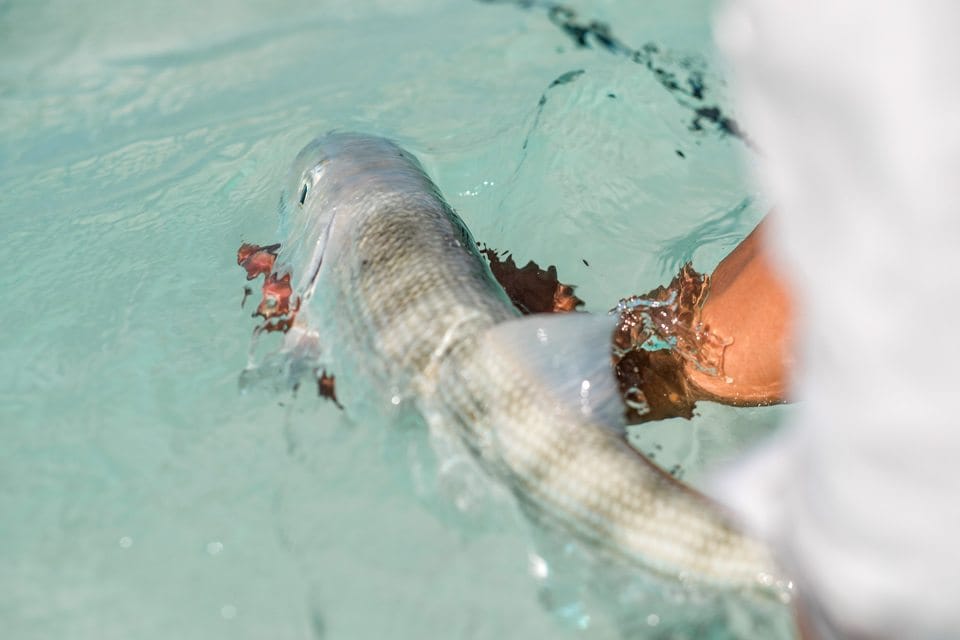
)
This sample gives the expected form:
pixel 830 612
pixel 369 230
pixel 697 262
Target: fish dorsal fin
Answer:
pixel 569 355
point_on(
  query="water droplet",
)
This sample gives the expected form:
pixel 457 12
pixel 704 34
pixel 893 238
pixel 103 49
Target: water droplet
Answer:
pixel 395 400
pixel 215 547
pixel 653 620
pixel 538 567
pixel 126 542
pixel 228 611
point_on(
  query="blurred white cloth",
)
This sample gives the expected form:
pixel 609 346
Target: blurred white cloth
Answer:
pixel 855 107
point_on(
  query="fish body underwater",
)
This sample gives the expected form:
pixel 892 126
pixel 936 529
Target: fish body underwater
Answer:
pixel 396 300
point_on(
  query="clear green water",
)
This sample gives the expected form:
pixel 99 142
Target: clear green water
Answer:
pixel 141 496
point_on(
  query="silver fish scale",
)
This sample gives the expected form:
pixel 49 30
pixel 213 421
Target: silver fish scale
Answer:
pixel 588 479
pixel 412 282
pixel 403 285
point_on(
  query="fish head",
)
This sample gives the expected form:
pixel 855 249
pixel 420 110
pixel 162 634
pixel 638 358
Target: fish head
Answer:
pixel 329 183
pixel 304 222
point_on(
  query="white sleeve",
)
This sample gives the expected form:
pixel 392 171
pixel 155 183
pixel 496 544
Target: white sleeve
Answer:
pixel 855 107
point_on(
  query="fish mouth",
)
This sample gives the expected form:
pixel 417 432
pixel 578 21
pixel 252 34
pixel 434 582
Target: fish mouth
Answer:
pixel 317 260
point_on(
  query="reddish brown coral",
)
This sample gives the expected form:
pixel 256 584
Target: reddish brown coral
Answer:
pixel 257 260
pixel 671 315
pixel 657 333
pixel 276 298
pixel 282 325
pixel 652 380
pixel 276 308
pixel 326 388
pixel 530 288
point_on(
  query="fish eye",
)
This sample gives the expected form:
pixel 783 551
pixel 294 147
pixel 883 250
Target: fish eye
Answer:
pixel 303 193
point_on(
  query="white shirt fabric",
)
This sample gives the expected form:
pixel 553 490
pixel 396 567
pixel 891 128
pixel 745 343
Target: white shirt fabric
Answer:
pixel 855 107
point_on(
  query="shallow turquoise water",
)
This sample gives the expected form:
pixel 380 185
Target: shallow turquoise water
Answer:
pixel 141 495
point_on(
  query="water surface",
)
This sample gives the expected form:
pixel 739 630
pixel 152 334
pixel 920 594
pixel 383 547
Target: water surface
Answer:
pixel 140 494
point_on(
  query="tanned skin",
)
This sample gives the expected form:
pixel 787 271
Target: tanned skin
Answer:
pixel 748 305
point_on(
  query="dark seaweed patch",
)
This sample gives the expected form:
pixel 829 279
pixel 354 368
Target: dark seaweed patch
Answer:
pixel 562 79
pixel 686 84
pixel 566 78
pixel 715 116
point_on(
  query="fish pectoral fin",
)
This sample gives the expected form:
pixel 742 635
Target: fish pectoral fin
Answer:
pixel 568 356
pixel 299 358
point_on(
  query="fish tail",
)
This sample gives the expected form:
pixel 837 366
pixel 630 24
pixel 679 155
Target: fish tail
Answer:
pixel 569 355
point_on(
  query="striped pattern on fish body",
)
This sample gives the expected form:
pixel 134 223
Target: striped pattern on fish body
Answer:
pixel 398 273
pixel 394 286
pixel 584 476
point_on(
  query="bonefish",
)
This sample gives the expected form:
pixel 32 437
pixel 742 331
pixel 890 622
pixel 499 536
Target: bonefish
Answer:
pixel 396 300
